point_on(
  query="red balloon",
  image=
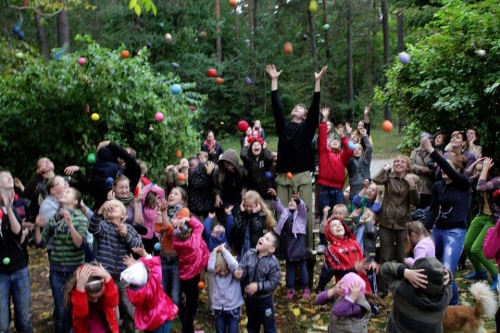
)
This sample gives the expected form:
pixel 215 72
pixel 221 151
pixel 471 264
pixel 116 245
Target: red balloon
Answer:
pixel 243 126
pixel 212 72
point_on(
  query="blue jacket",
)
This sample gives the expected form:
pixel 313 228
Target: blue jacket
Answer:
pixel 214 241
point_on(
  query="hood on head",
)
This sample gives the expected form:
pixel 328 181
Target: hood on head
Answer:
pixel 347 234
pixel 435 274
pixel 231 157
pixel 152 188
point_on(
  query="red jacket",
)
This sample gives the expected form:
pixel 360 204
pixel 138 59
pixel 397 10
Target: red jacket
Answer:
pixel 332 165
pixel 193 253
pixel 342 254
pixel 152 306
pixel 109 302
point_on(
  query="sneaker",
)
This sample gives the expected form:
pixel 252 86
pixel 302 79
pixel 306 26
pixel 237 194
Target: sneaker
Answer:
pixel 307 292
pixel 321 248
pixel 290 293
pixel 477 275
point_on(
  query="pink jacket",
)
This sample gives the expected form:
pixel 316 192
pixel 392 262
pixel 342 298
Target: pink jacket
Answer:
pixel 491 245
pixel 150 215
pixel 152 306
pixel 193 253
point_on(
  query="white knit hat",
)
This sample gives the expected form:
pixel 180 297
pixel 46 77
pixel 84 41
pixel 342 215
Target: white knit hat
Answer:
pixel 137 274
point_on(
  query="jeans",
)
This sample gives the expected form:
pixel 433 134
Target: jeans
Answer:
pixel 227 321
pixel 164 328
pixel 187 309
pixel 170 278
pixel 330 196
pixel 260 311
pixel 473 244
pixel 290 273
pixel 62 314
pixel 449 245
pixel 17 285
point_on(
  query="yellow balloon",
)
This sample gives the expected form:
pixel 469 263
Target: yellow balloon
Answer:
pixel 313 6
pixel 94 117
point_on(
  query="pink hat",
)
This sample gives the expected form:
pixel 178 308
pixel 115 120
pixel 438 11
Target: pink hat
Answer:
pixel 350 279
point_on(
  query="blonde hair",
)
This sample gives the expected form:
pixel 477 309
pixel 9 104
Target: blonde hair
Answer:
pixel 255 197
pixel 342 208
pixel 407 160
pixel 119 205
pixel 417 228
pixel 358 146
pixel 220 263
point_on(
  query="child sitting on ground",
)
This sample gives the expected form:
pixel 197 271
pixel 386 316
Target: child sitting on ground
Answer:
pixel 421 242
pixel 292 230
pixel 259 271
pixel 154 310
pixel 226 294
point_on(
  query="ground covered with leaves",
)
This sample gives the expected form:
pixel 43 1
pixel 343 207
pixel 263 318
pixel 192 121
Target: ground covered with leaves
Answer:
pixel 295 316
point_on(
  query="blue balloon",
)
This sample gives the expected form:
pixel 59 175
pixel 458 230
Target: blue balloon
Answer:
pixel 248 80
pixel 351 145
pixel 20 35
pixel 58 54
pixel 157 247
pixel 176 89
pixel 148 45
pixel 269 175
pixel 16 29
pixel 109 180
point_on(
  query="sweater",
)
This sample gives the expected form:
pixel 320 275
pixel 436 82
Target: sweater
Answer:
pixel 226 291
pixel 332 164
pixel 256 168
pixel 423 249
pixel 112 246
pixel 347 316
pixel 10 245
pixel 488 187
pixel 450 203
pixel 294 139
pixel 358 168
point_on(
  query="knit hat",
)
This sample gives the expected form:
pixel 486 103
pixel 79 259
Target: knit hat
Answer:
pixel 435 274
pixel 351 279
pixel 136 275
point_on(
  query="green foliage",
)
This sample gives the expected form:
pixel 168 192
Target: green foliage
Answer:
pixel 139 5
pixel 43 107
pixel 411 138
pixel 449 85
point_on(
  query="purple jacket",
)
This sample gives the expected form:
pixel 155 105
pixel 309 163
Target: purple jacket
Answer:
pixel 425 248
pixel 299 217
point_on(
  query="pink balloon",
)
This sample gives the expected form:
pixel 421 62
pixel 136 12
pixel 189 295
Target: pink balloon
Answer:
pixel 159 116
pixel 82 61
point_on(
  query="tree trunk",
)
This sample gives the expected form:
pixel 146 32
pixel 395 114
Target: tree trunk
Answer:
pixel 63 29
pixel 251 26
pixel 401 48
pixel 350 84
pixel 43 43
pixel 312 32
pixel 325 21
pixel 385 33
pixel 217 30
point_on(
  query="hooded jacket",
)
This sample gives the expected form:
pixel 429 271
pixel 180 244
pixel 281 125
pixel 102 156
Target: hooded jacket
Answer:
pixel 152 306
pixel 257 168
pixel 150 214
pixel 332 164
pixel 227 190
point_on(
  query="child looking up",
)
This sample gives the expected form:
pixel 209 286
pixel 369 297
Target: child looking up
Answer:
pixel 93 297
pixel 259 271
pixel 226 291
pixel 292 229
pixel 257 160
pixel 154 310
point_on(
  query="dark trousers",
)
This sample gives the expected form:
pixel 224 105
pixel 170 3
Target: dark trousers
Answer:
pixel 187 308
pixel 260 311
pixel 325 277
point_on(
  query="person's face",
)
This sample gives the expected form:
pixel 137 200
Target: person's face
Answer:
pixel 371 192
pixel 184 163
pixel 116 213
pixel 248 132
pixel 68 197
pixel 471 135
pixel 266 243
pixel 249 206
pixel 329 126
pixel 202 158
pixel 361 125
pixel 257 125
pixel 229 166
pixel 336 228
pixel 478 170
pixel 223 272
pixel 122 188
pixel 338 214
pixel 439 139
pixel 210 136
pixel 401 165
pixel 60 185
pixel 256 149
pixel 193 164
pixel 292 205
pixel 335 145
pixel 175 197
pixel 6 181
pixel 355 139
pixel 299 112
pixel 358 151
pixel 457 141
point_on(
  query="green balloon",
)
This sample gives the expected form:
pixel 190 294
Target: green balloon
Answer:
pixel 19 55
pixel 91 158
pixel 6 260
pixel 326 27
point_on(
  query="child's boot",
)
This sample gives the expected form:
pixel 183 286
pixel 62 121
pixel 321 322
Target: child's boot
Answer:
pixel 481 275
pixel 306 293
pixel 290 293
pixel 495 282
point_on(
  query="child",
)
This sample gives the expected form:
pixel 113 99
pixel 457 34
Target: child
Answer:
pixel 343 255
pixel 292 230
pixel 218 234
pixel 152 195
pixel 422 244
pixel 200 187
pixel 351 311
pixel 67 230
pixel 333 159
pixel 193 258
pixel 115 239
pixel 340 212
pixel 93 298
pixel 253 218
pixel 420 302
pixel 172 209
pixel 258 160
pixel 491 249
pixel 259 271
pixel 368 197
pixel 154 311
pixel 226 292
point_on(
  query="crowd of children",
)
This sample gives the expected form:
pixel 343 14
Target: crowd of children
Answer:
pixel 138 258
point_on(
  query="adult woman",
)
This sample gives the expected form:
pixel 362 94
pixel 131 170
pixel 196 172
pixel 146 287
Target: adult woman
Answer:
pixel 439 142
pixel 489 213
pixel 212 147
pixel 420 161
pixel 400 193
pixel 473 139
pixel 359 164
pixel 450 204
pixel 458 146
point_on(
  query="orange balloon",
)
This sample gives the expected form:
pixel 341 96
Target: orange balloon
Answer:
pixel 219 80
pixel 289 175
pixel 387 126
pixel 178 153
pixel 288 47
pixel 125 54
pixel 232 3
pixel 181 177
pixel 201 285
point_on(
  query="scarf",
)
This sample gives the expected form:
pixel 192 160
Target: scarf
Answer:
pixel 210 146
pixel 125 200
pixel 173 211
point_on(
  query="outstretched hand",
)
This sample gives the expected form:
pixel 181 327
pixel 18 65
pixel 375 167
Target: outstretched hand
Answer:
pixel 317 76
pixel 272 71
